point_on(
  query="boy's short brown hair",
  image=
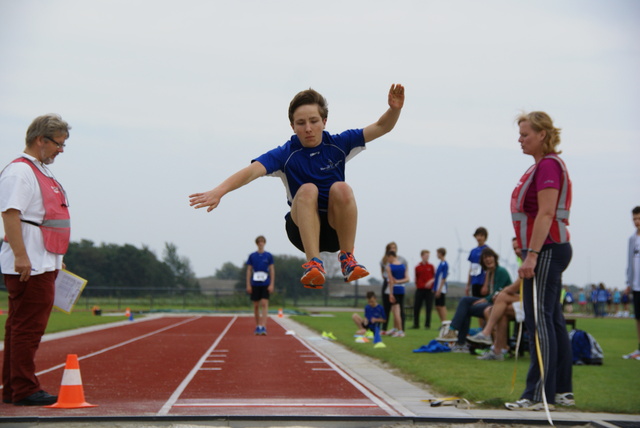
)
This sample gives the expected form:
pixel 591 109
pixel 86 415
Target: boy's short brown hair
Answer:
pixel 306 97
pixel 481 231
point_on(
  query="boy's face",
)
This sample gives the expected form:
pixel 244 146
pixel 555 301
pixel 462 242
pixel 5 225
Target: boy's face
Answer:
pixel 425 257
pixel 260 243
pixel 480 238
pixel 372 302
pixel 636 221
pixel 308 125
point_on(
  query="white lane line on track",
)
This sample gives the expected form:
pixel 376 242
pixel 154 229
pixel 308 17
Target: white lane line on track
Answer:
pixel 93 354
pixel 164 410
pixel 244 405
pixel 121 344
pixel 370 395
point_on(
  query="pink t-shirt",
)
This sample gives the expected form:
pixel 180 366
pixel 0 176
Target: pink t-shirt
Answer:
pixel 548 175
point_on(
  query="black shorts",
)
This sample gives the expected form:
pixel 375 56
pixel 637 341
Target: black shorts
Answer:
pixel 442 300
pixel 636 304
pixel 259 293
pixel 328 235
pixel 476 290
pixel 399 300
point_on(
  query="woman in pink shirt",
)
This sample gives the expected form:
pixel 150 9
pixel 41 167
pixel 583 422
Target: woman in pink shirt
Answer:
pixel 540 207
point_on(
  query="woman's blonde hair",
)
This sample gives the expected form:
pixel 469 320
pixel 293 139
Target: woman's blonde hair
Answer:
pixel 386 250
pixel 541 121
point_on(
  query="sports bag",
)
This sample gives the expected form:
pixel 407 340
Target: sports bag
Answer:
pixel 585 348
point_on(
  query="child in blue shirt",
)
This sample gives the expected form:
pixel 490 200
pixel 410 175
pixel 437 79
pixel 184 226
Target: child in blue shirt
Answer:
pixel 373 314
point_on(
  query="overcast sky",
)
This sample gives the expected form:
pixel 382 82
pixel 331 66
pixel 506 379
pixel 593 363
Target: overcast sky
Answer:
pixel 168 98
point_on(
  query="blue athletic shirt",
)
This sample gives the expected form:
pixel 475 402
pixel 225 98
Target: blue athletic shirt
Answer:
pixel 398 272
pixel 441 273
pixel 374 312
pixel 260 263
pixel 322 165
pixel 476 271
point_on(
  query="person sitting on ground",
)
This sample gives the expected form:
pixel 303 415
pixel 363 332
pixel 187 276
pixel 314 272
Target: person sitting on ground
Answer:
pixel 373 315
pixel 498 315
pixel 398 276
pixel 496 279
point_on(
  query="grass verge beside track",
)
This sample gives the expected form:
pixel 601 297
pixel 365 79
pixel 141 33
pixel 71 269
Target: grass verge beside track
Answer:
pixel 612 387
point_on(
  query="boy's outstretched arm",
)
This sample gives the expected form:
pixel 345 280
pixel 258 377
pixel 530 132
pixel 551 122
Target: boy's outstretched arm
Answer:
pixel 388 120
pixel 211 199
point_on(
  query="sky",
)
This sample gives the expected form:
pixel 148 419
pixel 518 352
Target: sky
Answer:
pixel 169 98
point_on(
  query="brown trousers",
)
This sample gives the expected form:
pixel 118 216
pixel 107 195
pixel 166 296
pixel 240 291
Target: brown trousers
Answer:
pixel 30 305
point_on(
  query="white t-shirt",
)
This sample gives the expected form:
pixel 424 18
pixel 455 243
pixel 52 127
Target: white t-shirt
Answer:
pixel 19 189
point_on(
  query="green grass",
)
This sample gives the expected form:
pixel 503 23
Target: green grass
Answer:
pixel 612 387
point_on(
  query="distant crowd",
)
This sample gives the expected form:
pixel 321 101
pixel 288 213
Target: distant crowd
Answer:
pixel 599 301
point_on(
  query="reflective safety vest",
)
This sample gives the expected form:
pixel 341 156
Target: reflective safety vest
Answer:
pixel 523 223
pixel 56 225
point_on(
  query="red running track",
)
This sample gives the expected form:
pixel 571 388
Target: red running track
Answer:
pixel 198 366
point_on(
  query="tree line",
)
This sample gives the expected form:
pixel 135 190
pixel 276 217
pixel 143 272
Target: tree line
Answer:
pixel 133 271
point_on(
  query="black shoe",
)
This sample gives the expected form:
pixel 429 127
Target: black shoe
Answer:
pixel 6 401
pixel 415 327
pixel 39 398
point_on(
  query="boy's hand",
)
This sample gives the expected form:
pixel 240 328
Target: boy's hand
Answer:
pixel 396 96
pixel 209 199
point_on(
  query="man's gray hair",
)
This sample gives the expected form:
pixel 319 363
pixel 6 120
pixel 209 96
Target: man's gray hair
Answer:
pixel 49 125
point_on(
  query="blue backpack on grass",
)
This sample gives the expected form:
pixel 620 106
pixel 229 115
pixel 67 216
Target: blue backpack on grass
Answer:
pixel 585 348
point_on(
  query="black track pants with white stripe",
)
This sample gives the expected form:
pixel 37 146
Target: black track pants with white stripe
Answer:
pixel 552 332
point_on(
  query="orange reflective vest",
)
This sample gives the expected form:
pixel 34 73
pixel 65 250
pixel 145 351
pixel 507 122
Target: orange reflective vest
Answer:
pixel 523 223
pixel 56 225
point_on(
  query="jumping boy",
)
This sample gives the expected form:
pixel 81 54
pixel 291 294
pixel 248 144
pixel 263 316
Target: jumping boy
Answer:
pixel 311 164
pixel 373 314
pixel 260 284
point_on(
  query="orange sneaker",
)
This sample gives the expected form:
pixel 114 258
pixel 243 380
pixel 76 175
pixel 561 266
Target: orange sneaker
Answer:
pixel 351 270
pixel 314 274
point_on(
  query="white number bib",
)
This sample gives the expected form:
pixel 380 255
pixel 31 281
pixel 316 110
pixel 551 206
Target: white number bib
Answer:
pixel 475 270
pixel 260 276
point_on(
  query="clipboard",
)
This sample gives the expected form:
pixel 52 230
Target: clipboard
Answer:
pixel 69 286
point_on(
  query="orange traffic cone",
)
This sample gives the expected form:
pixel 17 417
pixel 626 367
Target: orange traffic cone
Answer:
pixel 127 313
pixel 71 394
pixel 280 313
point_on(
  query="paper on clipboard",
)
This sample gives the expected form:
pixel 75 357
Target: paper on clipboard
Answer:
pixel 68 289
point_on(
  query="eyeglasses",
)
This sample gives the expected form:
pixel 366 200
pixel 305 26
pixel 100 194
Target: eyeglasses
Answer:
pixel 58 145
